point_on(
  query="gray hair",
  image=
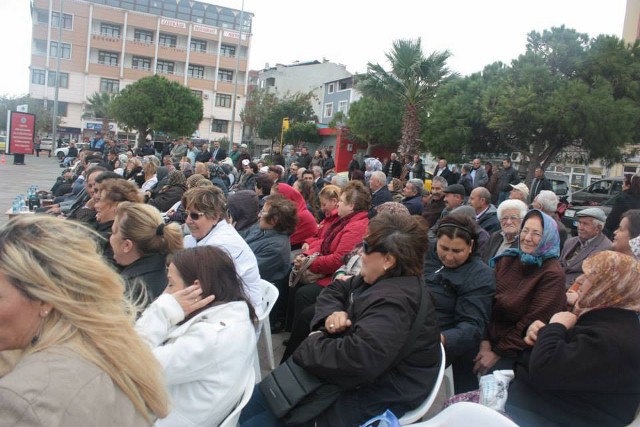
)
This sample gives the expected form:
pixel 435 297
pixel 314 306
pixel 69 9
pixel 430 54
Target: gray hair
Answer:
pixel 483 193
pixel 339 180
pixel 548 200
pixel 514 204
pixel 380 177
pixel 418 184
pixel 466 167
pixel 441 180
pixel 317 170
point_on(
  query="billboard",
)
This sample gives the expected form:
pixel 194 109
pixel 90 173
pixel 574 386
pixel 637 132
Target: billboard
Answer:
pixel 21 132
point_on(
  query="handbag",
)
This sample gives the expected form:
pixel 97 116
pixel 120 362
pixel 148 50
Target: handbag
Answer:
pixel 303 274
pixel 296 396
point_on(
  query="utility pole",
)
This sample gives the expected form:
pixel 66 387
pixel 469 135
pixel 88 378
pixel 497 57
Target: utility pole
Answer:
pixel 235 75
pixel 58 55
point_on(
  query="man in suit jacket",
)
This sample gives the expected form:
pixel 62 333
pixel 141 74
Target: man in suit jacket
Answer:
pixel 218 153
pixel 379 191
pixel 479 174
pixel 589 240
pixel 539 183
pixel 443 170
pixel 393 167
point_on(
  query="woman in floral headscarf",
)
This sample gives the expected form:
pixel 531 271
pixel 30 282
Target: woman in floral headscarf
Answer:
pixel 584 367
pixel 529 287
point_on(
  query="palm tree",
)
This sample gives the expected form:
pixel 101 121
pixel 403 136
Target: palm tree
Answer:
pixel 98 108
pixel 412 81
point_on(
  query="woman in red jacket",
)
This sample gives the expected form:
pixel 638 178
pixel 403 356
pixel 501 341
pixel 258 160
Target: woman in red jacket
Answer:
pixel 307 225
pixel 337 241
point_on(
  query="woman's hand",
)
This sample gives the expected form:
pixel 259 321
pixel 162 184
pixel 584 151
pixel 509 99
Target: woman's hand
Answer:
pixel 190 300
pixel 565 318
pixel 305 246
pixel 572 298
pixel 532 332
pixel 485 360
pixel 299 259
pixel 337 322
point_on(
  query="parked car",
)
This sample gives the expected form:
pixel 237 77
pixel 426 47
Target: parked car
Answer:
pixel 559 184
pixel 46 144
pixel 62 152
pixel 597 193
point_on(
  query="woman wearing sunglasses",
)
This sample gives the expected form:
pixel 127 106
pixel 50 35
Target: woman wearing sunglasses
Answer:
pixel 360 329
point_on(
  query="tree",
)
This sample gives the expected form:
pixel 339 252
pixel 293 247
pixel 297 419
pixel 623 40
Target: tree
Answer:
pixel 44 117
pixel 412 82
pixel 301 132
pixel 97 107
pixel 558 101
pixel 157 103
pixel 375 122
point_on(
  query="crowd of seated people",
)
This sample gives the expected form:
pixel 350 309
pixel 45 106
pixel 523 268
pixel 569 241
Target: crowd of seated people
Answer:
pixel 191 248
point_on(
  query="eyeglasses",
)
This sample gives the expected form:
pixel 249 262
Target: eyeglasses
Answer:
pixel 367 249
pixel 194 215
pixel 534 234
pixel 513 218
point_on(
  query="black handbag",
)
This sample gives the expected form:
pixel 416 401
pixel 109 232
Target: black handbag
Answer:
pixel 296 396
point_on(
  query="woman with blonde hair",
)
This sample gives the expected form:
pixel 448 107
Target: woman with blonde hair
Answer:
pixel 149 170
pixel 141 243
pixel 82 362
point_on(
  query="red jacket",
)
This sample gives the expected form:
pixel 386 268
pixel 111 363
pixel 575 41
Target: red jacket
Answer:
pixel 306 226
pixel 344 242
pixel 322 227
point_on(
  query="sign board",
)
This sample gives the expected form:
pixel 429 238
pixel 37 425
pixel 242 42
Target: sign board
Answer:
pixel 21 132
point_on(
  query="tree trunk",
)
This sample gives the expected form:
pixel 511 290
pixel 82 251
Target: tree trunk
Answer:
pixel 410 131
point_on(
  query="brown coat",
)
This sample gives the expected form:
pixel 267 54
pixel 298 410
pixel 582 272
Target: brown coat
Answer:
pixel 56 387
pixel 524 293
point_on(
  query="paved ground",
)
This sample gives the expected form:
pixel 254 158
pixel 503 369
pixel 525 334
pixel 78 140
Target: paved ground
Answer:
pixel 14 179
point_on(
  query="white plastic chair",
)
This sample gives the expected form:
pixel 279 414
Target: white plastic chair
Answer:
pixel 465 414
pixel 234 416
pixel 269 296
pixel 416 414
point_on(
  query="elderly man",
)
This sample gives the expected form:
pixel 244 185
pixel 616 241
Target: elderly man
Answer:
pixel 379 191
pixel 453 197
pixel 432 210
pixel 318 178
pixel 179 150
pixel 486 213
pixel 206 209
pixel 204 155
pixel 479 174
pixel 519 192
pixel 412 193
pixel 393 167
pixel 510 213
pixel 547 202
pixel 589 240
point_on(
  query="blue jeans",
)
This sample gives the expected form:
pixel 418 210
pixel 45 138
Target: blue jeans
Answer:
pixel 257 413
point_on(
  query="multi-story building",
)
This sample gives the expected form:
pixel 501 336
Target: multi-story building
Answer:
pixel 337 97
pixel 302 77
pixel 105 45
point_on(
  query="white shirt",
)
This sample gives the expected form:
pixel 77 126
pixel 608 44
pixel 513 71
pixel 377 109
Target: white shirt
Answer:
pixel 224 236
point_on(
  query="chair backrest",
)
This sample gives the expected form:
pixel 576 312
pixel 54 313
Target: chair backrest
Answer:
pixel 416 414
pixel 234 416
pixel 269 297
pixel 464 414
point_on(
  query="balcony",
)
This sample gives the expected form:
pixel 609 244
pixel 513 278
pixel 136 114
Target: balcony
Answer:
pixel 103 41
pixel 140 47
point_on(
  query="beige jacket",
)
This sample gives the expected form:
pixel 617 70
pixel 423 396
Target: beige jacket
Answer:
pixel 56 387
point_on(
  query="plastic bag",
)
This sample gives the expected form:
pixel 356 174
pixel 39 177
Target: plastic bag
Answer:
pixel 493 389
pixel 387 419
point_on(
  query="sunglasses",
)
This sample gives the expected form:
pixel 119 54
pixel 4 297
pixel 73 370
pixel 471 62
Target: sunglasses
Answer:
pixel 194 215
pixel 367 249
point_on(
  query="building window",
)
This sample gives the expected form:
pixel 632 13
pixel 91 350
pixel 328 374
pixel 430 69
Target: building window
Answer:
pixel 328 109
pixel 37 77
pixel 108 58
pixel 223 100
pixel 67 20
pixel 42 16
pixel 141 63
pixel 196 71
pixel 143 36
pixel 332 88
pixel 343 106
pixel 62 108
pixel 225 75
pixel 39 47
pixel 342 86
pixel 168 40
pixel 197 93
pixel 226 50
pixel 110 30
pixel 109 85
pixel 270 82
pixel 165 67
pixel 198 45
pixel 64 80
pixel 65 52
pixel 219 126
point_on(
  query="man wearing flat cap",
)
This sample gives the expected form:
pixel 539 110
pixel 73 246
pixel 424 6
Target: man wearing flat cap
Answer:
pixel 589 241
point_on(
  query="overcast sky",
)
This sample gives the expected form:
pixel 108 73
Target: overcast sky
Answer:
pixel 354 32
